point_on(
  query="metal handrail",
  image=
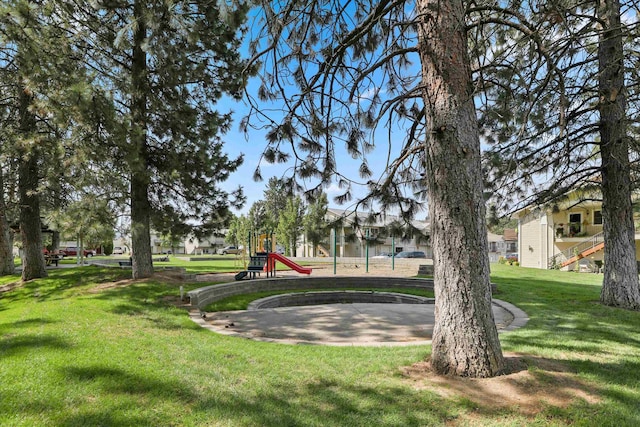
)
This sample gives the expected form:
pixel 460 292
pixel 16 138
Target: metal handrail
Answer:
pixel 556 260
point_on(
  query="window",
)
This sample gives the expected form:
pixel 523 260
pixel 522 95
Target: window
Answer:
pixel 575 223
pixel 597 217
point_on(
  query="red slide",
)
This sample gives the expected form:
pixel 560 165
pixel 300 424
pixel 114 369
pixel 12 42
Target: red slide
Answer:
pixel 286 261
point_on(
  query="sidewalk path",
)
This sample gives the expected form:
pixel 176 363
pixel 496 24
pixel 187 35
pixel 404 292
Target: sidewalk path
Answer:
pixel 342 324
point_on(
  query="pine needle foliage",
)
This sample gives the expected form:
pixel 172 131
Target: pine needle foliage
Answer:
pixel 344 71
pixel 536 72
pixel 191 60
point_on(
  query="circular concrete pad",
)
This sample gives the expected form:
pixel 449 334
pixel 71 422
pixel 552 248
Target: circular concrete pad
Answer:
pixel 344 324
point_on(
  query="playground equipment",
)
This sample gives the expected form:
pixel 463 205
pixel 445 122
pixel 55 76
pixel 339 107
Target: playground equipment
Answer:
pixel 289 263
pixel 265 260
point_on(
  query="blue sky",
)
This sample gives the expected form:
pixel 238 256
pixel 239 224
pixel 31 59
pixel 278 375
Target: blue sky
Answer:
pixel 236 143
pixel 251 146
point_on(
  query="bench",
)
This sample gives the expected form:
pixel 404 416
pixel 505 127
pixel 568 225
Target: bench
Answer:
pixel 425 270
pixel 128 263
pixel 53 259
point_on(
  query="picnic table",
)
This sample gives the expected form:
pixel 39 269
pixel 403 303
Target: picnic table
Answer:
pixel 52 259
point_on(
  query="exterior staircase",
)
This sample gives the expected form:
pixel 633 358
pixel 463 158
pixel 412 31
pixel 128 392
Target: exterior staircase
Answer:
pixel 323 251
pixel 583 249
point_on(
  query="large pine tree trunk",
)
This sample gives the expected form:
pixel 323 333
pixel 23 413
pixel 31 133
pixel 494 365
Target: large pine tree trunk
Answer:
pixel 140 205
pixel 6 242
pixel 140 227
pixel 33 266
pixel 55 240
pixel 465 338
pixel 620 286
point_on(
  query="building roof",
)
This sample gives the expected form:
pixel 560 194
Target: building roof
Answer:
pixel 585 195
pixel 510 235
pixel 492 237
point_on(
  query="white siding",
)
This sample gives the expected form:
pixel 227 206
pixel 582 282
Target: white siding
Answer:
pixel 531 248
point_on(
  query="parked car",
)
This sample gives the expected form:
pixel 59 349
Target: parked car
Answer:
pixel 73 251
pixel 382 255
pixel 411 254
pixel 228 250
pixel 118 250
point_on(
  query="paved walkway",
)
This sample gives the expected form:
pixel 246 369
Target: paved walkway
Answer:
pixel 344 324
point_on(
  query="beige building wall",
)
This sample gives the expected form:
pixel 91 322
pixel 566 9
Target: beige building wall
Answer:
pixel 529 229
pixel 544 234
pixel 535 238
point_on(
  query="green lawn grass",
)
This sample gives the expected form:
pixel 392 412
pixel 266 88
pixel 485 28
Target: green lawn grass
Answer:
pixel 85 347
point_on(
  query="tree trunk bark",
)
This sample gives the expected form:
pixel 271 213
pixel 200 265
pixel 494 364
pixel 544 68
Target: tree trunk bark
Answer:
pixel 140 227
pixel 6 242
pixel 142 265
pixel 620 287
pixel 465 338
pixel 55 240
pixel 33 266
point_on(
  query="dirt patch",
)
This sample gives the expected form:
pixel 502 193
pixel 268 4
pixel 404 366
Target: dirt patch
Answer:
pixel 10 286
pixel 166 276
pixel 111 285
pixel 359 269
pixel 532 385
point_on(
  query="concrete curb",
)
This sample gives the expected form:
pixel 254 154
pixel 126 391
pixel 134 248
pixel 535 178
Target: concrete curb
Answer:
pixel 520 318
pixel 204 296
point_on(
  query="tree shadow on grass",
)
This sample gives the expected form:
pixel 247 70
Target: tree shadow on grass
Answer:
pixel 152 300
pixel 607 355
pixel 322 401
pixel 167 318
pixel 10 327
pixel 27 323
pixel 317 403
pixel 328 403
pixel 123 391
pixel 60 282
pixel 114 380
pixel 569 340
pixel 625 373
pixel 12 345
